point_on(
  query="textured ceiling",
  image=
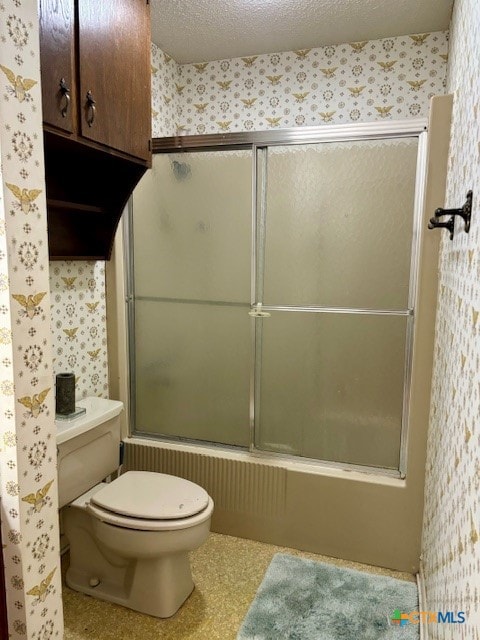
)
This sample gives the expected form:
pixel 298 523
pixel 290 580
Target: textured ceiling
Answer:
pixel 201 30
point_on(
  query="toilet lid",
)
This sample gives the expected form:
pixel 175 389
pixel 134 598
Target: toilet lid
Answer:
pixel 142 524
pixel 152 496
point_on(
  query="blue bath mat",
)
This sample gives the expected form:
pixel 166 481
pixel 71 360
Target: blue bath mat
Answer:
pixel 301 599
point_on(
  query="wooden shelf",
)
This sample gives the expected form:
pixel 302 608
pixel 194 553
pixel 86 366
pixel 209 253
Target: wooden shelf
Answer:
pixel 73 206
pixel 87 190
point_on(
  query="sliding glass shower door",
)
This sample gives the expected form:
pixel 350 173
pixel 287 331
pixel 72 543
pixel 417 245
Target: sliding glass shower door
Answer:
pixel 296 338
pixel 192 240
pixel 333 270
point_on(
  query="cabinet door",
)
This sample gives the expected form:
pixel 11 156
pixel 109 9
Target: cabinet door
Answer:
pixel 57 68
pixel 115 76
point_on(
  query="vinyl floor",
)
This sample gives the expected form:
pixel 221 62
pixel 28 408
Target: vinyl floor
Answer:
pixel 227 572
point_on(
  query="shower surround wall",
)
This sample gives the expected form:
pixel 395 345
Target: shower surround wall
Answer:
pixel 388 523
pixel 451 544
pixel 355 82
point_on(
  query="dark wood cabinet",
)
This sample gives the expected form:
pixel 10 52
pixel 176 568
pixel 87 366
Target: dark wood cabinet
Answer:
pixel 57 63
pixel 115 71
pixel 96 99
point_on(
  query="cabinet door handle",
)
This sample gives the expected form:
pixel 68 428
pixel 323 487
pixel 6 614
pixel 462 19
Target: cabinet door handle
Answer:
pixel 65 92
pixel 91 109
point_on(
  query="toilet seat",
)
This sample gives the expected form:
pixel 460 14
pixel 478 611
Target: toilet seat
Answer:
pixel 151 501
pixel 127 522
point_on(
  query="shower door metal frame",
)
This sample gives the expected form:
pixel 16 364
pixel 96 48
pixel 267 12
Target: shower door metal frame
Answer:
pixel 258 141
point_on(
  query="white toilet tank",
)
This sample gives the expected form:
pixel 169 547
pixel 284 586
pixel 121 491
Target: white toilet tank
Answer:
pixel 87 447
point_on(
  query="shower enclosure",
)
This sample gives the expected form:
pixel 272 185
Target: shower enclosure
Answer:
pixel 271 292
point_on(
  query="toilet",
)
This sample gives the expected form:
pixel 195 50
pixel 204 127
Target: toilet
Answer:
pixel 129 538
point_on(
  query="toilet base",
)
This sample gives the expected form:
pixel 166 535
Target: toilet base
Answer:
pixel 156 586
pixel 171 575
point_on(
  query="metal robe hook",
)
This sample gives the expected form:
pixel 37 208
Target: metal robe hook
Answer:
pixel 464 212
pixel 436 224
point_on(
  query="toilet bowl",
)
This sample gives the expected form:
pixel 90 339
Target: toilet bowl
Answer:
pixel 130 538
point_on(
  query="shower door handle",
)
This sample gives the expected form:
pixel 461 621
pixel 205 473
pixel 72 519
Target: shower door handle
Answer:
pixel 257 312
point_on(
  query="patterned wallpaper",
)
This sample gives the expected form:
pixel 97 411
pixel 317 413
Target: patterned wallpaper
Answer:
pixel 27 430
pixel 389 78
pixel 355 82
pixel 79 324
pixel 451 544
pixel 165 95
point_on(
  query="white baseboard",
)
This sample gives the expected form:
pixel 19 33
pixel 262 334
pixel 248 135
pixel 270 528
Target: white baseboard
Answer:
pixel 422 597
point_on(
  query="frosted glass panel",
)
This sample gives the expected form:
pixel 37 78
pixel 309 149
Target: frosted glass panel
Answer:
pixel 192 371
pixel 332 386
pixel 339 220
pixel 192 226
pixel 334 228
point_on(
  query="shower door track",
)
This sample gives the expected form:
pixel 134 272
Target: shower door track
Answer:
pixel 256 141
pixel 294 135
